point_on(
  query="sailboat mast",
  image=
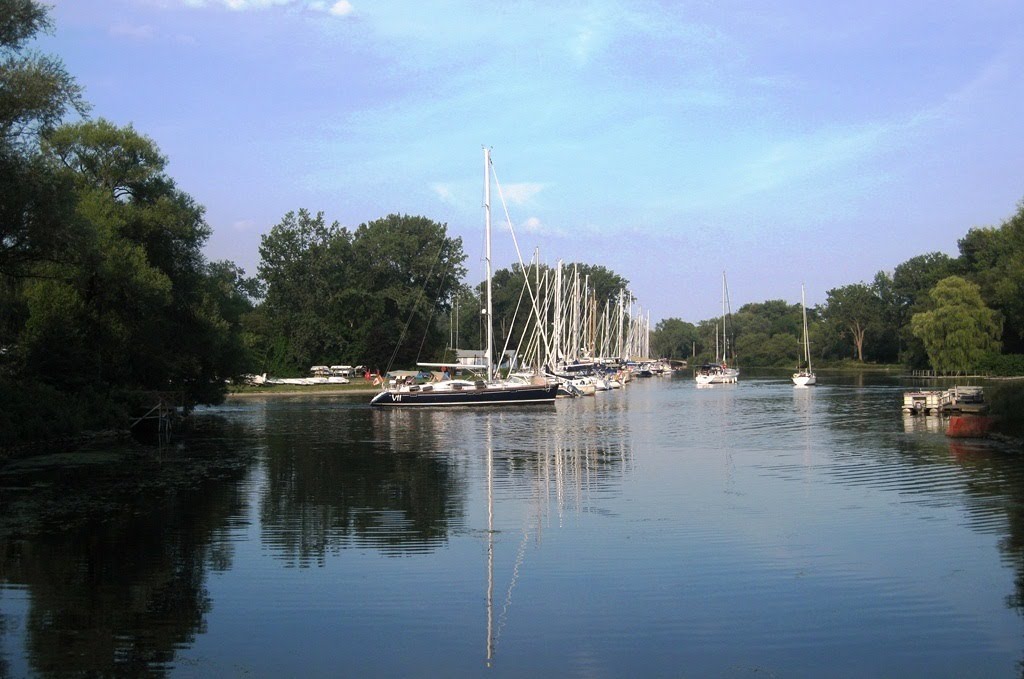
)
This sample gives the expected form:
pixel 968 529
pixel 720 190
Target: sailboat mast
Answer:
pixel 724 340
pixel 807 341
pixel 718 357
pixel 487 261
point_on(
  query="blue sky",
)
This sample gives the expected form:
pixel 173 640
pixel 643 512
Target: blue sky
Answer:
pixel 781 142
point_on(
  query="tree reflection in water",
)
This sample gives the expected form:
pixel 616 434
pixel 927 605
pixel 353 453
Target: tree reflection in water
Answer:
pixel 397 480
pixel 991 478
pixel 114 553
pixel 342 485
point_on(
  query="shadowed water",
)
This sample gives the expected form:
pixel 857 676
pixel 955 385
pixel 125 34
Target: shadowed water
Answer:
pixel 661 530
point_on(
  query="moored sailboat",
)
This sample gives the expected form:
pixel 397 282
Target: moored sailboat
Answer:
pixel 719 372
pixel 804 377
pixel 492 391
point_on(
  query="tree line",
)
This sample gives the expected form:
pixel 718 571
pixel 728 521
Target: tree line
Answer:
pixel 934 311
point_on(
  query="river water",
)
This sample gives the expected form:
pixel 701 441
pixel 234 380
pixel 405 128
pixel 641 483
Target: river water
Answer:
pixel 662 530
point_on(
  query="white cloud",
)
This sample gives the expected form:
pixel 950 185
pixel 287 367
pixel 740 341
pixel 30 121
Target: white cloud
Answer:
pixel 533 226
pixel 341 8
pixel 582 44
pixel 338 8
pixel 243 225
pixel 125 30
pixel 518 194
pixel 444 192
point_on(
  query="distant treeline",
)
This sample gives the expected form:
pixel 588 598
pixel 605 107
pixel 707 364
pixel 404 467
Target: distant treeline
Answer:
pixel 949 314
pixel 107 299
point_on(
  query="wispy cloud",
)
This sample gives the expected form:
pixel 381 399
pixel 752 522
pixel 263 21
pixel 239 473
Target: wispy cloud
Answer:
pixel 834 149
pixel 816 153
pixel 537 227
pixel 520 194
pixel 583 43
pixel 444 192
pixel 339 8
pixel 533 225
pixel 990 82
pixel 132 31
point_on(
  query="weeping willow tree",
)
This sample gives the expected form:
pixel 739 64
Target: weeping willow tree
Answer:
pixel 959 330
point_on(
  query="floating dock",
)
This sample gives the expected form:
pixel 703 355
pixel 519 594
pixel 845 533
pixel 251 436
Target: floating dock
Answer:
pixel 955 401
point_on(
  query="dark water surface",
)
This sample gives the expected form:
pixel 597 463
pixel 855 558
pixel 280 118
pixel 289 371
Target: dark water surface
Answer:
pixel 661 530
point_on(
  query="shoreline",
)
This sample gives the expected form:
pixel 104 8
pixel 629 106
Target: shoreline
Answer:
pixel 313 390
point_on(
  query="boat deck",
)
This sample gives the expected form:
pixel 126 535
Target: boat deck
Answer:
pixel 958 400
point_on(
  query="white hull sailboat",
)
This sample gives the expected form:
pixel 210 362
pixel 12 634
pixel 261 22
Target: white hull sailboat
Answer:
pixel 719 372
pixel 805 377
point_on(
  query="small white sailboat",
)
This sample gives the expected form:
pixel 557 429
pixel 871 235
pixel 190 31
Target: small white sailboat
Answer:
pixel 805 377
pixel 719 372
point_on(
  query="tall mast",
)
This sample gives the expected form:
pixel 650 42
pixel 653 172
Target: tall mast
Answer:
pixel 619 348
pixel 725 311
pixel 724 350
pixel 718 358
pixel 647 336
pixel 487 261
pixel 557 325
pixel 807 341
pixel 542 314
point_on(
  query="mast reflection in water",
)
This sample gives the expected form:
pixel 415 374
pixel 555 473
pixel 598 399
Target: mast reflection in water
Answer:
pixel 641 531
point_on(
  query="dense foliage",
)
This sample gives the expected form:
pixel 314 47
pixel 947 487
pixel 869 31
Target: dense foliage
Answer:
pixel 105 293
pixel 379 296
pixel 959 331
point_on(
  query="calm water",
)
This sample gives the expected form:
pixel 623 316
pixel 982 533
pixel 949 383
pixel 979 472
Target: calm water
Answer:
pixel 662 530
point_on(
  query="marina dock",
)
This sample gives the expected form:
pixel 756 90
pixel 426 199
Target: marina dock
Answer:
pixel 956 401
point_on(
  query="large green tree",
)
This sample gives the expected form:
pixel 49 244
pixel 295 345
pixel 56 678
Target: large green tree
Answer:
pixel 856 311
pixel 132 306
pixel 380 296
pixel 673 338
pixel 993 257
pixel 910 284
pixel 104 290
pixel 36 91
pixel 36 201
pixel 407 271
pixel 766 333
pixel 306 317
pixel 960 330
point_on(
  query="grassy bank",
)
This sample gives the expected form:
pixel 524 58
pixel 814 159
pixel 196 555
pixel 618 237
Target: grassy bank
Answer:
pixel 356 387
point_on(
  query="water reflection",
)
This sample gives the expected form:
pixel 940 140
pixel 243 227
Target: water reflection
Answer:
pixel 923 424
pixel 605 519
pixel 335 478
pixel 340 475
pixel 114 555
